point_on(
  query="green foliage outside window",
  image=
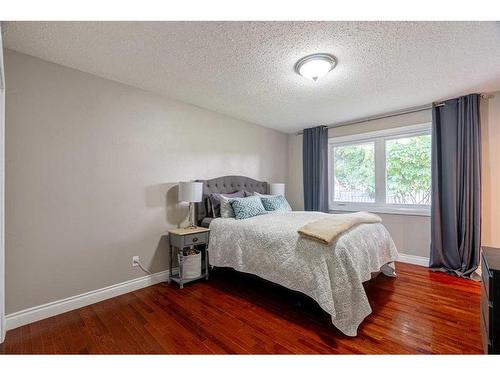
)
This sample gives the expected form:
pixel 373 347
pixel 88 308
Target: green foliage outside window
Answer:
pixel 408 163
pixel 408 171
pixel 355 168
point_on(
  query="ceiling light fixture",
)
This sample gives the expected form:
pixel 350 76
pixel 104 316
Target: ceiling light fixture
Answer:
pixel 315 66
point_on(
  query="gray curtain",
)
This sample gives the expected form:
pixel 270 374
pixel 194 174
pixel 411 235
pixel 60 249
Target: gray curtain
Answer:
pixel 456 186
pixel 315 161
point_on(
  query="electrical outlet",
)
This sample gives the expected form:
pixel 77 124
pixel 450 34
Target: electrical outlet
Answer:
pixel 135 261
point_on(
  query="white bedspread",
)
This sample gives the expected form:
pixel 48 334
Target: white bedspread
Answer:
pixel 269 246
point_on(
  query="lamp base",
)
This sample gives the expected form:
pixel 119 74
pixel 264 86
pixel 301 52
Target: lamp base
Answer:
pixel 192 221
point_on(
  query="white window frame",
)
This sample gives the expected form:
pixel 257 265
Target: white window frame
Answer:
pixel 378 138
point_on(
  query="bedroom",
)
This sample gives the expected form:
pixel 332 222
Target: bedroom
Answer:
pixel 192 187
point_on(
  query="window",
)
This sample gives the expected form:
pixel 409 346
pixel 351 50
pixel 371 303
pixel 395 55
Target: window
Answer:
pixel 383 171
pixel 354 167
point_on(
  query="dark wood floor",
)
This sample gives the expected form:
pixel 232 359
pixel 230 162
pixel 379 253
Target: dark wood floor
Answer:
pixel 418 312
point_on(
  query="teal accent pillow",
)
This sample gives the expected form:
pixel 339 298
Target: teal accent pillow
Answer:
pixel 275 203
pixel 245 208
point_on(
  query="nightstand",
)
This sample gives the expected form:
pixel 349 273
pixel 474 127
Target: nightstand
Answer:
pixel 188 238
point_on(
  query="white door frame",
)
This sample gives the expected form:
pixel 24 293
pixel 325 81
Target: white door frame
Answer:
pixel 3 328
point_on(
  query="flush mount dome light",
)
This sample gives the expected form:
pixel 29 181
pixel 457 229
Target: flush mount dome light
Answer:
pixel 315 66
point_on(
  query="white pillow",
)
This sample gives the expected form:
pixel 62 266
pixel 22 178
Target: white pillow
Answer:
pixel 263 195
pixel 226 210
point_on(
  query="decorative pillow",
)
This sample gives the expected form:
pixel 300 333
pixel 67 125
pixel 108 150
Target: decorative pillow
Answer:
pixel 262 195
pixel 226 210
pixel 215 200
pixel 245 208
pixel 275 203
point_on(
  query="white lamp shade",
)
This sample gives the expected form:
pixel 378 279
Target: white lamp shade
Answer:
pixel 190 191
pixel 277 189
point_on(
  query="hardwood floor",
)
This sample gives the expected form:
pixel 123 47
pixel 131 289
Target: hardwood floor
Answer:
pixel 418 312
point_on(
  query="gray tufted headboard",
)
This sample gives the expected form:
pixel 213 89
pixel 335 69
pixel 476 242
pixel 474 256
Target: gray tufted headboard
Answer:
pixel 225 184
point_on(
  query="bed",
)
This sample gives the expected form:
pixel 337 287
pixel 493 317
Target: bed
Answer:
pixel 269 247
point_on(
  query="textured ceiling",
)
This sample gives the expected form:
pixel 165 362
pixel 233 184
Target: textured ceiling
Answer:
pixel 245 69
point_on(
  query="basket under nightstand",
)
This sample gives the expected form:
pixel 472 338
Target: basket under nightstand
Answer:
pixel 187 238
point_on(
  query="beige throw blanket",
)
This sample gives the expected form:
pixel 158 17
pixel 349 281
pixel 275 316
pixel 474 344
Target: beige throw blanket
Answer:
pixel 328 229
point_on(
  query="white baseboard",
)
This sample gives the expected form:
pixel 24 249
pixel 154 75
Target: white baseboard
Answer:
pixel 3 328
pixel 47 310
pixel 414 259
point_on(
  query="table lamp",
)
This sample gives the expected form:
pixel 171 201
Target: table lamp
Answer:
pixel 190 192
pixel 277 189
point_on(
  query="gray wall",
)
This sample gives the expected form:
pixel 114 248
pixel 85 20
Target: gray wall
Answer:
pixel 411 234
pixel 90 166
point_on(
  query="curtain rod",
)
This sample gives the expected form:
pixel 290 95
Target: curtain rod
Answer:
pixel 405 111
